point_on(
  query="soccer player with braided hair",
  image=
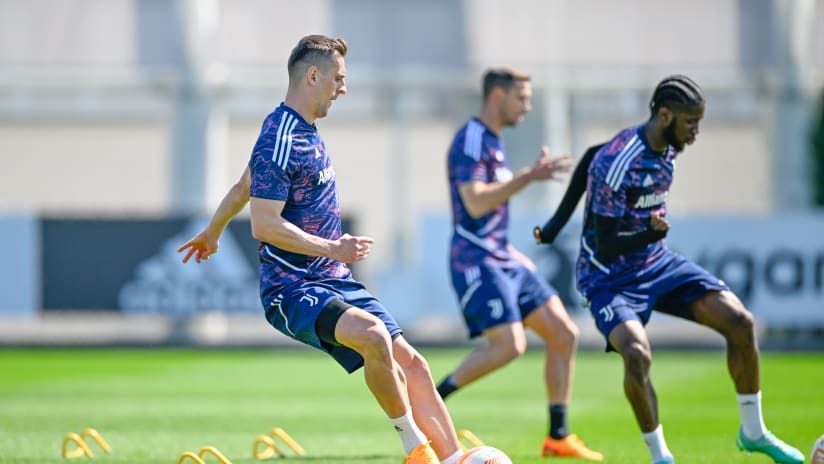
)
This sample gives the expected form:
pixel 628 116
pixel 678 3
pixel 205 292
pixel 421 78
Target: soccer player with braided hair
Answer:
pixel 625 270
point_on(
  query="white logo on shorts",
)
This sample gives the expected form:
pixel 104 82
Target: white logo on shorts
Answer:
pixel 607 313
pixel 313 300
pixel 496 308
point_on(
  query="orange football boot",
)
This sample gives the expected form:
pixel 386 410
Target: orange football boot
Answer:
pixel 569 447
pixel 422 454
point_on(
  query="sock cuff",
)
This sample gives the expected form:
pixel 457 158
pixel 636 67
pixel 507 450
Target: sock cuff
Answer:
pixel 743 397
pixel 557 407
pixel 402 418
pixel 658 430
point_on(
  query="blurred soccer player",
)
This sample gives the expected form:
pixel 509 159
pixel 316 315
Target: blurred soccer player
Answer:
pixel 498 289
pixel 306 287
pixel 625 271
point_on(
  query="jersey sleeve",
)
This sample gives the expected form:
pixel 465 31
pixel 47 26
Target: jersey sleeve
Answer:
pixel 608 198
pixel 467 163
pixel 270 170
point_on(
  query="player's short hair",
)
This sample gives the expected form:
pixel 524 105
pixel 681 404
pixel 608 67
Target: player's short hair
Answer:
pixel 314 50
pixel 504 78
pixel 676 92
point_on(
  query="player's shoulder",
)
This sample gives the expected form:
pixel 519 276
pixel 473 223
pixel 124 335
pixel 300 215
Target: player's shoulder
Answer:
pixel 624 144
pixel 285 137
pixel 472 129
pixel 286 122
pixel 470 139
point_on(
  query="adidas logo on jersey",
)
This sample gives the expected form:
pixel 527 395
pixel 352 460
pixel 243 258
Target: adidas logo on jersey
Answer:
pixel 648 181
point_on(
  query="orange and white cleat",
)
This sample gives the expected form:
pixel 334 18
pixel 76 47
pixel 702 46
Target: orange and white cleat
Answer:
pixel 569 447
pixel 422 454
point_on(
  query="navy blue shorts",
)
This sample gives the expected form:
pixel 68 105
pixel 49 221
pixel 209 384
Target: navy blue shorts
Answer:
pixel 669 287
pixel 295 309
pixel 491 295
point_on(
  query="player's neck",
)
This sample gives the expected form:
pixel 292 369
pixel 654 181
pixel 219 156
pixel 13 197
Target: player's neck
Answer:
pixel 491 121
pixel 302 106
pixel 655 137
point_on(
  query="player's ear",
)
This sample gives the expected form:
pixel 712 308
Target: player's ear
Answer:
pixel 496 93
pixel 665 115
pixel 312 74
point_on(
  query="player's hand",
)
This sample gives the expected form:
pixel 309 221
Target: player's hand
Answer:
pixel 351 249
pixel 548 168
pixel 201 246
pixel 657 221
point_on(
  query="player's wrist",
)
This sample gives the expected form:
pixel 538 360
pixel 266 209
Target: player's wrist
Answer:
pixel 529 174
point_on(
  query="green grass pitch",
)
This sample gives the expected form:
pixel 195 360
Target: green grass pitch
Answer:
pixel 152 405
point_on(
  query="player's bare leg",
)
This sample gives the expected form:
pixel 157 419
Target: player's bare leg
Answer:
pixel 630 341
pixel 385 378
pixel 724 312
pixel 428 408
pixel 367 335
pixel 504 342
pixel 552 323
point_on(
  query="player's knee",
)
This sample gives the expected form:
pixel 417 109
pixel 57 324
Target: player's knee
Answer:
pixel 637 357
pixel 742 324
pixel 416 365
pixel 510 347
pixel 565 338
pixel 375 342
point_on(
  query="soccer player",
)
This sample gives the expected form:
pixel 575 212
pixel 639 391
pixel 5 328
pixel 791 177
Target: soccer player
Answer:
pixel 497 287
pixel 306 288
pixel 625 270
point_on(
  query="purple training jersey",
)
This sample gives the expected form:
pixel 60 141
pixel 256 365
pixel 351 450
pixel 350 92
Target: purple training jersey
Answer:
pixel 289 163
pixel 627 180
pixel 477 154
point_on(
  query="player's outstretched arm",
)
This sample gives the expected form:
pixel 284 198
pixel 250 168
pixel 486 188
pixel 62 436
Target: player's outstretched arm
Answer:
pixel 206 242
pixel 575 190
pixel 480 197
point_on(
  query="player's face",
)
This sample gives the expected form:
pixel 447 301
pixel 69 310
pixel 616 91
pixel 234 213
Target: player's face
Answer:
pixel 683 128
pixel 331 83
pixel 516 103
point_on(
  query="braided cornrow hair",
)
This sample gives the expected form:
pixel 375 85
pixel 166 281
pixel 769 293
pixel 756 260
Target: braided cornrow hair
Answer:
pixel 676 92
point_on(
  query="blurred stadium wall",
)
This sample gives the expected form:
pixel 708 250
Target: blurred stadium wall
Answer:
pixel 123 122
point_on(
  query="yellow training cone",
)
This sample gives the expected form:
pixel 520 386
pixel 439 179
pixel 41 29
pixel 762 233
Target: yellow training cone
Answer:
pixel 88 432
pixel 81 450
pixel 290 442
pixel 269 449
pixel 214 452
pixel 190 455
